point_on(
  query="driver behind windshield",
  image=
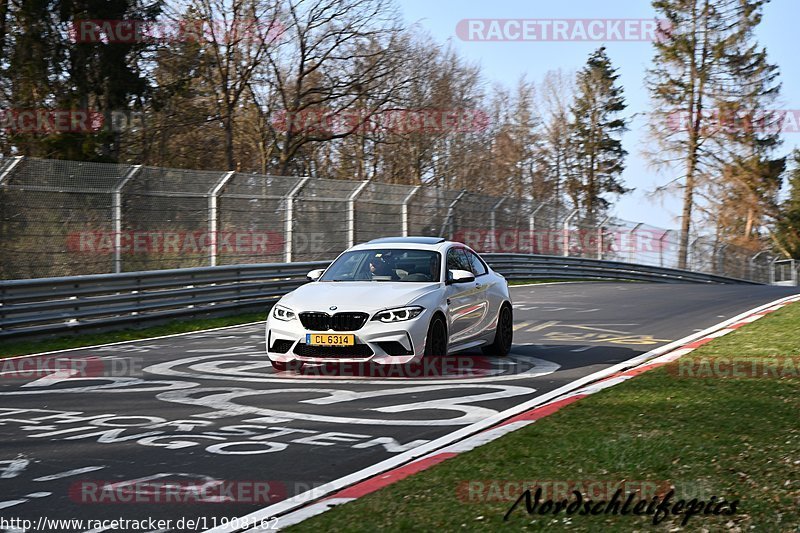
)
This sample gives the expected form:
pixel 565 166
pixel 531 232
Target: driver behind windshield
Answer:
pixel 380 268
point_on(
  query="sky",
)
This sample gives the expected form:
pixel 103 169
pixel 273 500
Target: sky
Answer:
pixel 504 62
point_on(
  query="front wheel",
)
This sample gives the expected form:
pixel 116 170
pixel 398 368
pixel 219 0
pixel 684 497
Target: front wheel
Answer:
pixel 436 341
pixel 503 336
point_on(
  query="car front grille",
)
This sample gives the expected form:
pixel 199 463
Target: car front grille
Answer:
pixel 316 321
pixel 352 352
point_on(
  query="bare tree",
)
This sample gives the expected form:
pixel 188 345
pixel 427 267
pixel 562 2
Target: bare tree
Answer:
pixel 332 56
pixel 237 37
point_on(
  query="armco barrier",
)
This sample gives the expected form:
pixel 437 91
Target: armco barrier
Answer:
pixel 521 266
pixel 48 306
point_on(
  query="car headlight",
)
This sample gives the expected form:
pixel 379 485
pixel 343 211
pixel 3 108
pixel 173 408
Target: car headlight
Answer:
pixel 399 314
pixel 283 313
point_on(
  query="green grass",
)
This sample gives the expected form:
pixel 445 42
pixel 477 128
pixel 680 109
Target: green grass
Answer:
pixel 23 347
pixel 730 438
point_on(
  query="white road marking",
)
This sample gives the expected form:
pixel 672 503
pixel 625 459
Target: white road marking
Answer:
pixel 69 473
pixel 14 468
pixel 11 503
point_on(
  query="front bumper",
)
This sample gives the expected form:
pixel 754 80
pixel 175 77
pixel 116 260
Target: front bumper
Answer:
pixel 377 342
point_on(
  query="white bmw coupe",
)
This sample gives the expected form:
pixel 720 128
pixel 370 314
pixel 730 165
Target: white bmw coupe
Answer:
pixel 392 301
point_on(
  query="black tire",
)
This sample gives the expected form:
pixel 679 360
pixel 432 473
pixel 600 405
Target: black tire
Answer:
pixel 282 366
pixel 503 336
pixel 436 341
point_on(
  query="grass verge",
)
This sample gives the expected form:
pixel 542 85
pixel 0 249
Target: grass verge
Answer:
pixel 733 438
pixel 12 348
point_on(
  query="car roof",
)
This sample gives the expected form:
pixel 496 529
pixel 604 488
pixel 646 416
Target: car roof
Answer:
pixel 408 240
pixel 408 243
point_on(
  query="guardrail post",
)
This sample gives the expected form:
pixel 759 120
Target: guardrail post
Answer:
pixel 600 237
pixel 7 172
pixel 661 247
pixel 404 212
pixel 450 211
pixel 566 231
pixel 532 225
pixel 213 216
pixel 288 221
pixel 351 213
pixel 632 242
pixel 492 222
pixel 116 206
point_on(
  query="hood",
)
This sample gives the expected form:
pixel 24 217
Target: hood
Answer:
pixel 355 295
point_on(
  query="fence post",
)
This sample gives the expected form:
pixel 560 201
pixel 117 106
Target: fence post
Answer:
pixel 492 223
pixel 116 206
pixel 213 217
pixel 720 259
pixel 351 213
pixel 632 242
pixel 450 211
pixel 404 212
pixel 600 237
pixel 566 231
pixel 753 264
pixel 288 221
pixel 772 270
pixel 661 247
pixel 7 172
pixel 532 225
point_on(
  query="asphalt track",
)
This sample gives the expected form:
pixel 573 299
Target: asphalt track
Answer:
pixel 178 427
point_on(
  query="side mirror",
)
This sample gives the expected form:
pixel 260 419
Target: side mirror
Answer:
pixel 460 276
pixel 315 274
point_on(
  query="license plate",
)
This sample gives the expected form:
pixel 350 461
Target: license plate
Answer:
pixel 326 339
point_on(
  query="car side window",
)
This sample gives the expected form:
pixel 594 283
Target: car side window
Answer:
pixel 478 268
pixel 456 260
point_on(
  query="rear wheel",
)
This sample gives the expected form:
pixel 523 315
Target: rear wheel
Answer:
pixel 436 341
pixel 503 336
pixel 283 366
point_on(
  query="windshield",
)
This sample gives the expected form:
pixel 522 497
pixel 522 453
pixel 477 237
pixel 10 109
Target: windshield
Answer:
pixel 385 265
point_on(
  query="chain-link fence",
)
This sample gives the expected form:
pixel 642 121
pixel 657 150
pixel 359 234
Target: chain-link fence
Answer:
pixel 62 218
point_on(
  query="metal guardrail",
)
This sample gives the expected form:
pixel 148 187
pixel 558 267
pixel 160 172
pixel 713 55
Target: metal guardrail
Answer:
pixel 105 301
pixel 519 266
